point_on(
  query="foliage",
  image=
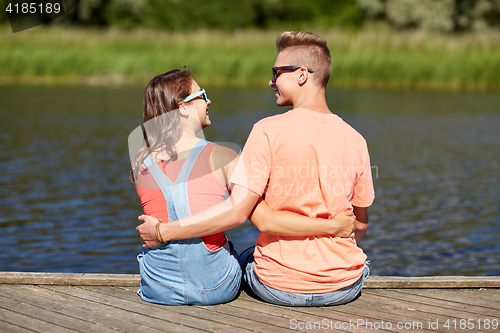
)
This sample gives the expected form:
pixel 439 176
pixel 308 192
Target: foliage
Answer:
pixel 3 15
pixel 195 14
pixel 299 13
pixel 435 15
pixel 215 14
pixel 185 15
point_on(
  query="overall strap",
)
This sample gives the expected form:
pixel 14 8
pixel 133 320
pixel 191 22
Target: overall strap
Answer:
pixel 188 165
pixel 176 194
pixel 179 188
pixel 164 184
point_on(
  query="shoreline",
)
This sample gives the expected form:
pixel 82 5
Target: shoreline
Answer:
pixel 115 81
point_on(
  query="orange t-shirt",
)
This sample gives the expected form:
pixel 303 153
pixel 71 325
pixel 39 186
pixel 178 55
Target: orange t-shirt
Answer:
pixel 204 191
pixel 316 165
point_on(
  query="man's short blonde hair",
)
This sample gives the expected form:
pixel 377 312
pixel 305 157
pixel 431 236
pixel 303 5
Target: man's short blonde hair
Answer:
pixel 307 49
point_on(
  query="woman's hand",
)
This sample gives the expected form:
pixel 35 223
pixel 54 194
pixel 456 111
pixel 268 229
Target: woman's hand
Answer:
pixel 344 224
pixel 147 231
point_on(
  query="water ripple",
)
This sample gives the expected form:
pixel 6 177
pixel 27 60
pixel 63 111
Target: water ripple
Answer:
pixel 66 204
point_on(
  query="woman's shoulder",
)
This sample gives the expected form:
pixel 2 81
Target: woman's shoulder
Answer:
pixel 224 154
pixel 225 149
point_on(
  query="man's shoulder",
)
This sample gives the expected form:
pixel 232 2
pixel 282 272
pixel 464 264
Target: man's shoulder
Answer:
pixel 272 120
pixel 281 122
pixel 308 121
pixel 349 128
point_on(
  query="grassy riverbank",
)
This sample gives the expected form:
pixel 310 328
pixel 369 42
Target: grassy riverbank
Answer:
pixel 370 58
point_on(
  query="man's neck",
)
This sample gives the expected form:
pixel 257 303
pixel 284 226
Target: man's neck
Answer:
pixel 313 100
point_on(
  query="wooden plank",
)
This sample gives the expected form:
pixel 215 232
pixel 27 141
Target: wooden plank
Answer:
pixel 332 315
pixel 419 303
pixel 402 312
pixel 70 279
pixel 490 295
pixel 435 313
pixel 129 301
pixel 258 320
pixel 50 317
pixel 345 320
pixel 107 316
pixel 222 313
pixel 431 282
pixel 413 295
pixel 448 295
pixel 373 317
pixel 296 316
pixel 246 302
pixel 372 282
pixel 6 327
pixel 30 323
pixel 388 319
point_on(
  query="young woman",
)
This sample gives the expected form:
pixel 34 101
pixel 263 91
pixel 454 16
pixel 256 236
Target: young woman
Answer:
pixel 176 174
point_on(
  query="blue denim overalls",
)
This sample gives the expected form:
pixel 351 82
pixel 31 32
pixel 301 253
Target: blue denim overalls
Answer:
pixel 186 271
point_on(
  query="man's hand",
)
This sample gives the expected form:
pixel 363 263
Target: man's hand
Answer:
pixel 345 224
pixel 147 231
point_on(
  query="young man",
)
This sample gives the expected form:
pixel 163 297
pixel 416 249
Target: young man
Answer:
pixel 306 161
pixel 309 161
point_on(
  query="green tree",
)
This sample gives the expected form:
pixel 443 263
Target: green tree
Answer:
pixel 195 14
pixel 124 13
pixel 300 14
pixel 435 15
pixel 3 15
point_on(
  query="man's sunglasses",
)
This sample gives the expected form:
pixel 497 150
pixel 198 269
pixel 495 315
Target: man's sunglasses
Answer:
pixel 287 68
pixel 196 94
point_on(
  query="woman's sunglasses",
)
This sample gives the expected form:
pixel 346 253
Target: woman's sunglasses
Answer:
pixel 196 94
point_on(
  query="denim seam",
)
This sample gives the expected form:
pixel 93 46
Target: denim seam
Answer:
pixel 306 297
pixel 267 290
pixel 275 297
pixel 159 282
pixel 184 279
pixel 337 300
pixel 354 285
pixel 286 293
pixel 230 275
pixel 330 294
pixel 204 292
pixel 169 287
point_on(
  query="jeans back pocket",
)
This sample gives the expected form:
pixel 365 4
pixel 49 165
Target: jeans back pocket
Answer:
pixel 154 291
pixel 223 292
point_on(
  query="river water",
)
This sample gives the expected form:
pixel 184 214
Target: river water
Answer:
pixel 66 204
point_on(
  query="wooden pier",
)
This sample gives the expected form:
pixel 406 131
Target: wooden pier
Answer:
pixel 55 302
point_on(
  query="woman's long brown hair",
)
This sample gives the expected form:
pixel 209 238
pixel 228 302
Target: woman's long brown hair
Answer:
pixel 161 119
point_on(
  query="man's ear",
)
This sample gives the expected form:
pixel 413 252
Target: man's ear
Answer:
pixel 303 76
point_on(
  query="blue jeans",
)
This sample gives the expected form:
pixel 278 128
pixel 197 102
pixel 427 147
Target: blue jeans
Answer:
pixel 286 298
pixel 186 272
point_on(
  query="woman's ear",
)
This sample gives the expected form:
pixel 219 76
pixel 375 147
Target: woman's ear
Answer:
pixel 183 110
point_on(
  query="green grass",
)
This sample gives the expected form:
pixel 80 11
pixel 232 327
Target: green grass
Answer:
pixel 370 58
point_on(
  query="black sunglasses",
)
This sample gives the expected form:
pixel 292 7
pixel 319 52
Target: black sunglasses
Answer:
pixel 287 68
